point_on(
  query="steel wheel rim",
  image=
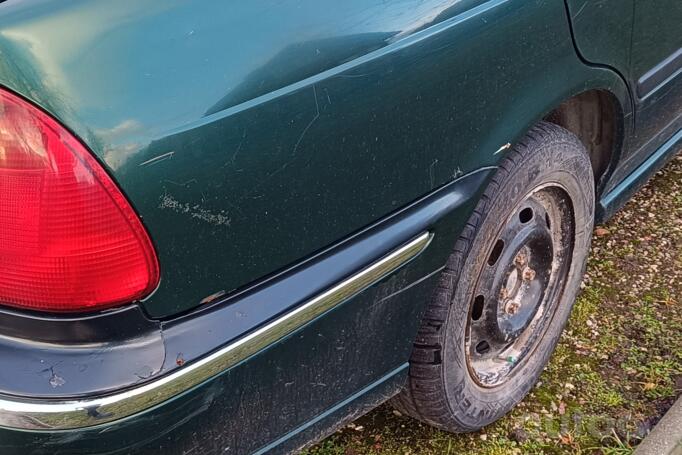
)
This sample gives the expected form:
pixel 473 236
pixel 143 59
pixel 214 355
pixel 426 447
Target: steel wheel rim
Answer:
pixel 520 285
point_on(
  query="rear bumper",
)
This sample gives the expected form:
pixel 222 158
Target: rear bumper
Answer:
pixel 269 367
pixel 78 413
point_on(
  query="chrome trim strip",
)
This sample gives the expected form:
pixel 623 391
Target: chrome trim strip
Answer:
pixel 36 414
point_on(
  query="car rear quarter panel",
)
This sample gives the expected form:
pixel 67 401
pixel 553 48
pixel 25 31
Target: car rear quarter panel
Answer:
pixel 249 135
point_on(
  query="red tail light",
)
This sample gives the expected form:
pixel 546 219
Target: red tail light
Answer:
pixel 69 240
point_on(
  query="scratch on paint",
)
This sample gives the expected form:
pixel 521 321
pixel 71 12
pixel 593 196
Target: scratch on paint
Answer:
pixel 55 379
pixel 305 130
pixel 157 159
pixel 183 184
pixel 575 16
pixel 432 179
pixel 503 148
pixel 194 211
pixel 298 142
pixel 239 148
pixel 351 76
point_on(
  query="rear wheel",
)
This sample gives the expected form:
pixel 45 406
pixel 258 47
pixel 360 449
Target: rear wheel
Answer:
pixel 508 287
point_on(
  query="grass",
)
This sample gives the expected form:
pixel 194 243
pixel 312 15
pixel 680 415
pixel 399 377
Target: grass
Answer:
pixel 616 371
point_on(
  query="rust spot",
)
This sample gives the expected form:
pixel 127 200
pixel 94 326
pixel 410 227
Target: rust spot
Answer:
pixel 512 308
pixel 520 259
pixel 180 360
pixel 212 297
pixel 528 274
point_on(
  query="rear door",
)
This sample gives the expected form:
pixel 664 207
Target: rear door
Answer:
pixel 642 40
pixel 656 71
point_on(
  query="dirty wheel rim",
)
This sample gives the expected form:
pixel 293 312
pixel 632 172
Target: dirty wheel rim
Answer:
pixel 519 285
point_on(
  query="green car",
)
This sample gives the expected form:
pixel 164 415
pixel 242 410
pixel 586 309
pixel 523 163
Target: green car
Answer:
pixel 234 226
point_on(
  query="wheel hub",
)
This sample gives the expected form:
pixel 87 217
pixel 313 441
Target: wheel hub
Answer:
pixel 517 285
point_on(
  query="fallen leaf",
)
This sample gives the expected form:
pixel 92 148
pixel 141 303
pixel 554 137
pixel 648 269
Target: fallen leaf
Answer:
pixel 601 232
pixel 566 439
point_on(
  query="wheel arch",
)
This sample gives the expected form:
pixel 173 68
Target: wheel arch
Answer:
pixel 593 103
pixel 597 118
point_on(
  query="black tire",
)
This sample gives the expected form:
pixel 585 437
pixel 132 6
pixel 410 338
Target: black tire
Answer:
pixel 443 390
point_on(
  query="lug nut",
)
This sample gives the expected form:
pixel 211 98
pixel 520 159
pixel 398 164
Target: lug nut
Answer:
pixel 520 259
pixel 512 307
pixel 504 294
pixel 528 274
